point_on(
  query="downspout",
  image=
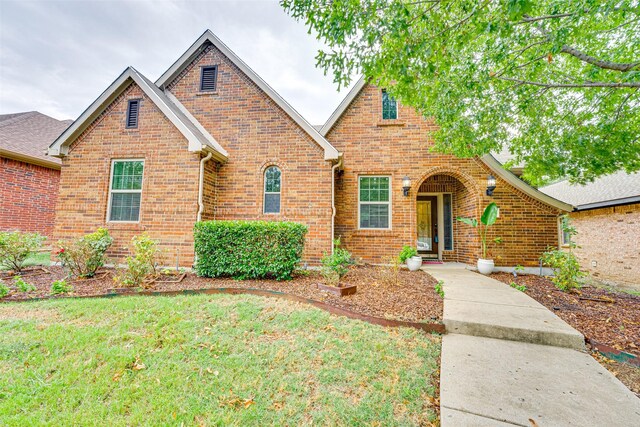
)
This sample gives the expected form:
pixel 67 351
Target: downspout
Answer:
pixel 200 191
pixel 201 185
pixel 333 199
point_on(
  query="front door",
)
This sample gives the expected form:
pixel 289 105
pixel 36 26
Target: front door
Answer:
pixel 427 216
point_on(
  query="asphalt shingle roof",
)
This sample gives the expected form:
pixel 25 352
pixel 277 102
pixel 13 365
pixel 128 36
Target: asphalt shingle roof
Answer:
pixel 610 188
pixel 30 134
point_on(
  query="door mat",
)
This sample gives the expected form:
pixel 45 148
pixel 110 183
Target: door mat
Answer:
pixel 431 262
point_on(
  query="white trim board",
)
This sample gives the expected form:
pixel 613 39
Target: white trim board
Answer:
pixel 330 153
pixel 198 142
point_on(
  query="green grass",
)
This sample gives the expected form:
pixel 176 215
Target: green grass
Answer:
pixel 208 360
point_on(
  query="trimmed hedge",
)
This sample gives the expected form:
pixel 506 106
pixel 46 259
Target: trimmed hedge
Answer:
pixel 248 249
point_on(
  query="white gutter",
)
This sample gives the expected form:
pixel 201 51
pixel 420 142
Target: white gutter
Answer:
pixel 201 184
pixel 333 199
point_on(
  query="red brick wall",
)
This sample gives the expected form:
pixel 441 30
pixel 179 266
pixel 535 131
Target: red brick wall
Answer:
pixel 28 196
pixel 610 238
pixel 402 147
pixel 257 134
pixel 169 202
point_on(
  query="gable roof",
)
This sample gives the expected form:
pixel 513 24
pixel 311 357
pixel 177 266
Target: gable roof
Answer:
pixel 26 136
pixel 198 141
pixel 611 190
pixel 488 159
pixel 330 153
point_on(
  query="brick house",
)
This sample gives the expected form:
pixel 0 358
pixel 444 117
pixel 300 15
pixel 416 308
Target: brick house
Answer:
pixel 607 219
pixel 28 177
pixel 211 140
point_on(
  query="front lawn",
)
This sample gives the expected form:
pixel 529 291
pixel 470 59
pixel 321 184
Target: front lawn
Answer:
pixel 208 360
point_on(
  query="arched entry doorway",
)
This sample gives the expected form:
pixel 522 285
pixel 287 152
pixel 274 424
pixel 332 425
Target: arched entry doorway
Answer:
pixel 440 197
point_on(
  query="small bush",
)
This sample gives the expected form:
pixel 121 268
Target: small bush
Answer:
pixel 248 249
pixel 142 264
pixel 521 288
pixel 15 248
pixel 438 288
pixel 22 285
pixel 406 253
pixel 61 287
pixel 4 290
pixel 566 269
pixel 391 272
pixel 84 256
pixel 336 265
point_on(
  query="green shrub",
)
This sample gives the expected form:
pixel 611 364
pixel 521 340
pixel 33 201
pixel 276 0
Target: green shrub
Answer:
pixel 84 256
pixel 61 287
pixel 22 285
pixel 142 264
pixel 336 265
pixel 406 253
pixel 4 290
pixel 521 288
pixel 438 288
pixel 566 269
pixel 15 248
pixel 248 249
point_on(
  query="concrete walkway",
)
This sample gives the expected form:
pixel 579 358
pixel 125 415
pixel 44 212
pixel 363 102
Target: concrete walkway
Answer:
pixel 507 360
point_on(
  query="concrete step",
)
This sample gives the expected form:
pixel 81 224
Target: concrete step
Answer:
pixel 488 382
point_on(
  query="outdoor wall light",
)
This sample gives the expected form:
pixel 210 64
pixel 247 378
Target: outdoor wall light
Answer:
pixel 406 185
pixel 491 185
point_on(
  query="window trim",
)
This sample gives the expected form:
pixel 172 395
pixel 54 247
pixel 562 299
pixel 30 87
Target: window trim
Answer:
pixel 264 190
pixel 110 190
pixel 383 91
pixel 126 119
pixel 215 78
pixel 453 234
pixel 376 203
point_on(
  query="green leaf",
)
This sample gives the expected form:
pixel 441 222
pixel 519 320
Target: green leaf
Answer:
pixel 490 214
pixel 469 221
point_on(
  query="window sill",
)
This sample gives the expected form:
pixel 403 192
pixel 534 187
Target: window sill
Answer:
pixel 364 232
pixel 125 226
pixel 211 93
pixel 387 123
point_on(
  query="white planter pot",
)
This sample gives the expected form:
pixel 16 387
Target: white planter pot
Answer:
pixel 485 266
pixel 414 263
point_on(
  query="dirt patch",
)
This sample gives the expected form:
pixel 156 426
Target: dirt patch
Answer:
pixel 410 298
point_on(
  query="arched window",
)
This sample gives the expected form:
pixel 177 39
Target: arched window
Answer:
pixel 272 188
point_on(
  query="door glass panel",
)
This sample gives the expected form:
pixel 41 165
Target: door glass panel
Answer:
pixel 425 237
pixel 448 222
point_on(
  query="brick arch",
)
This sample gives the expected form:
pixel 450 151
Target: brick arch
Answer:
pixel 466 242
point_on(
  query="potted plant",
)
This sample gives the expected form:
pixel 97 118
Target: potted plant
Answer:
pixel 488 218
pixel 409 255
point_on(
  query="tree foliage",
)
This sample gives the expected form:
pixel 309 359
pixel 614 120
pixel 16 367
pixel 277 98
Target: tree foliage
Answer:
pixel 553 81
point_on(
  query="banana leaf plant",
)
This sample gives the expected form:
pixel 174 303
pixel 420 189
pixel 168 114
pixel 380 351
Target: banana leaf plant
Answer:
pixel 488 218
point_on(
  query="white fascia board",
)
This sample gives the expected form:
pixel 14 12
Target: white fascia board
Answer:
pixel 330 152
pixel 343 106
pixel 506 175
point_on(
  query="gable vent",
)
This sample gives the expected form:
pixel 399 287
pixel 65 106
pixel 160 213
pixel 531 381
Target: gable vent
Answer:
pixel 132 113
pixel 208 78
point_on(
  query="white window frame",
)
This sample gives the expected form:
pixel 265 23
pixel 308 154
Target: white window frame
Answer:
pixel 265 192
pixel 382 92
pixel 111 191
pixel 375 203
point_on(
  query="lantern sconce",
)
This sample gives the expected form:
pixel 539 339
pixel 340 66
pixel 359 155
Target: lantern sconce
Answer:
pixel 491 185
pixel 406 185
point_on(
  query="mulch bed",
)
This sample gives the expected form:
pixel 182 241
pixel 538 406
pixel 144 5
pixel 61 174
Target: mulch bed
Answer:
pixel 411 298
pixel 611 318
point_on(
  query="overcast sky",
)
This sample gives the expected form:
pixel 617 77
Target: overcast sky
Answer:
pixel 56 56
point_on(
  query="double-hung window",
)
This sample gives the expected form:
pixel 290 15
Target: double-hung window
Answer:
pixel 125 190
pixel 389 106
pixel 272 190
pixel 374 202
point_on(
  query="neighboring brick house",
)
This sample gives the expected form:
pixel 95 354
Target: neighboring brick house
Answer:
pixel 607 219
pixel 28 177
pixel 211 140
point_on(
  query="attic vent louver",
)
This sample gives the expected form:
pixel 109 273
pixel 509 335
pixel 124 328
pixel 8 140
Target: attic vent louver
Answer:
pixel 132 113
pixel 208 78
